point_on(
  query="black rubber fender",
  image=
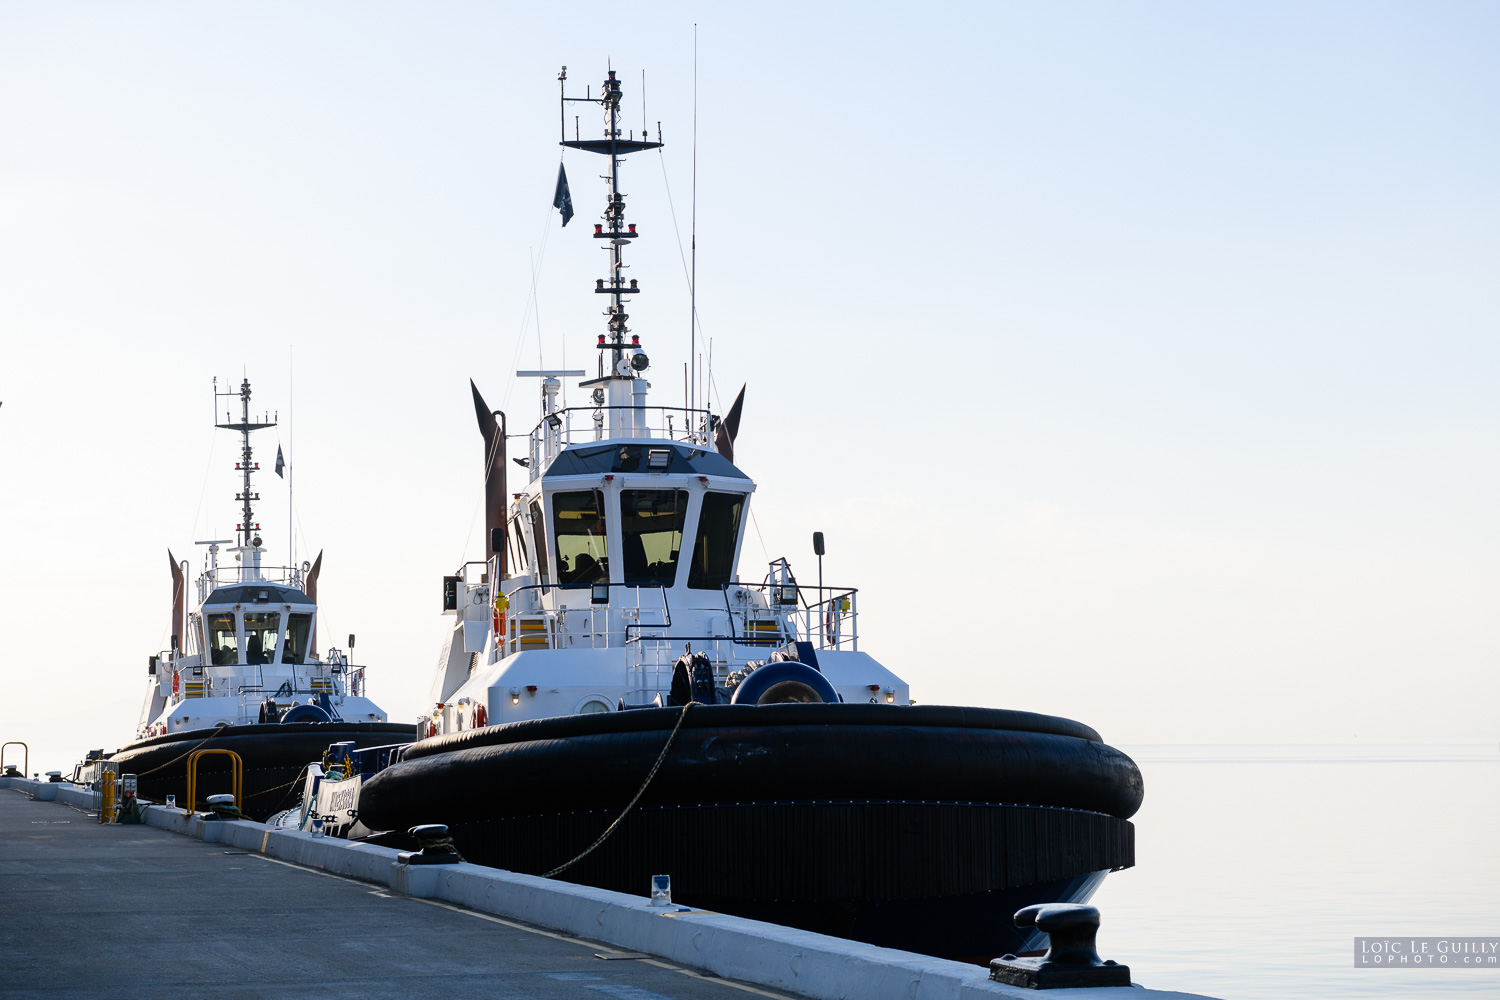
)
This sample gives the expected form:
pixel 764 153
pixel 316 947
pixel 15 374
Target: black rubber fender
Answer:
pixel 305 713
pixel 723 753
pixel 779 677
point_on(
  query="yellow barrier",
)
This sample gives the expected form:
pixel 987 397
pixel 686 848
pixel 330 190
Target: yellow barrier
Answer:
pixel 237 771
pixel 25 759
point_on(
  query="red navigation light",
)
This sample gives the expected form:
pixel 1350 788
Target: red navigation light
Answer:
pixel 702 479
pixel 632 229
pixel 531 689
pixel 236 465
pixel 635 340
pixel 874 687
pixel 598 228
pixel 609 479
pixel 599 283
pixel 601 340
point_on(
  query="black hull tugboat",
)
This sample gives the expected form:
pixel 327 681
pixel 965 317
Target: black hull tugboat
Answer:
pixel 241 674
pixel 616 702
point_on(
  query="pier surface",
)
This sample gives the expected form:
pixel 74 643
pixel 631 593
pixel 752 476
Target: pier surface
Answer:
pixel 109 911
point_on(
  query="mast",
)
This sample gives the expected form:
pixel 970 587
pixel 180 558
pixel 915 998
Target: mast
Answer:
pixel 615 372
pixel 247 527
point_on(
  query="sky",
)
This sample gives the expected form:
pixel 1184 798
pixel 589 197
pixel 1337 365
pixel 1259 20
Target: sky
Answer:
pixel 1138 361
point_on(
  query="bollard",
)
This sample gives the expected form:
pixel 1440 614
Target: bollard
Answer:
pixel 437 847
pixel 1071 959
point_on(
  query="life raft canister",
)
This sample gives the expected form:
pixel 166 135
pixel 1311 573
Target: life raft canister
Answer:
pixel 481 717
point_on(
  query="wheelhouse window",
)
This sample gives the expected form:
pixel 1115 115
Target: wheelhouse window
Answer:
pixel 539 541
pixel 582 544
pixel 712 562
pixel 651 534
pixel 261 629
pixel 223 640
pixel 294 649
pixel 517 548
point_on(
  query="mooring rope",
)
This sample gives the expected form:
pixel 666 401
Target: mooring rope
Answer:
pixel 190 749
pixel 639 792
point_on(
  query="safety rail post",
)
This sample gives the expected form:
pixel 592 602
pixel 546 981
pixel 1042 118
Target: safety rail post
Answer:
pixel 25 757
pixel 237 775
pixel 107 797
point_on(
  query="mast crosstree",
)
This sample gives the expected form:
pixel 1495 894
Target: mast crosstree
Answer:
pixel 614 229
pixel 246 465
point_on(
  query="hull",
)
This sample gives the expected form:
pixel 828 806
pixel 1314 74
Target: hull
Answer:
pixel 922 828
pixel 273 755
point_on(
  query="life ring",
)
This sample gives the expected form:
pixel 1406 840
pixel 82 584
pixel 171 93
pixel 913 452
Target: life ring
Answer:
pixel 176 683
pixel 830 626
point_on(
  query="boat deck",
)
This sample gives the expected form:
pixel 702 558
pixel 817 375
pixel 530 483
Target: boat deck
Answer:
pixel 104 911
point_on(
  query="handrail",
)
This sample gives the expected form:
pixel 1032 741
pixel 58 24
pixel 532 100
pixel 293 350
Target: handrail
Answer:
pixel 545 423
pixel 237 771
pixel 808 610
pixel 25 759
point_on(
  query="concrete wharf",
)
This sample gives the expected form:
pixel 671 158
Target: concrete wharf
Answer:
pixel 90 910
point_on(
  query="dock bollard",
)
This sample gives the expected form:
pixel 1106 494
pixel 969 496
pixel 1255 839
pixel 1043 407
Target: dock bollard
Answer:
pixel 437 847
pixel 222 807
pixel 1071 959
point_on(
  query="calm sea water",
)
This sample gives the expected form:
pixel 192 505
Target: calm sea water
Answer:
pixel 1257 866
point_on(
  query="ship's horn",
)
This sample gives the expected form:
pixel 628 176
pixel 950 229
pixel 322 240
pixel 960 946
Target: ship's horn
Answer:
pixel 729 427
pixel 312 596
pixel 492 426
pixel 179 596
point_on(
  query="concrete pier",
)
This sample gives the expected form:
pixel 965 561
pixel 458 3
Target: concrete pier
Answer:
pixel 235 909
pixel 95 911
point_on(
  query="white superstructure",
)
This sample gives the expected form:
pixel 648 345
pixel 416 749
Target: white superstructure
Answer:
pixel 620 557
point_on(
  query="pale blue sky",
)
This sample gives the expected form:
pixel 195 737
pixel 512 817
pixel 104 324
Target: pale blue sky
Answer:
pixel 1137 359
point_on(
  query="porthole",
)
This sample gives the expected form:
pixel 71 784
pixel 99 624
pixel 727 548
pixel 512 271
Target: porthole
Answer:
pixel 593 706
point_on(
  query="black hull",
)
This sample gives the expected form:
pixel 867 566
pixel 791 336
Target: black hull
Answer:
pixel 917 828
pixel 273 755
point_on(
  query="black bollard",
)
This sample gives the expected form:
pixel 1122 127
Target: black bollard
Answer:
pixel 1071 959
pixel 437 846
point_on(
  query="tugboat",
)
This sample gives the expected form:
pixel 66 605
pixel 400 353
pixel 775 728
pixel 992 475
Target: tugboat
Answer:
pixel 242 673
pixel 615 701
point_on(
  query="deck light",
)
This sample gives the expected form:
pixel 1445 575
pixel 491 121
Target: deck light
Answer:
pixel 600 594
pixel 658 458
pixel 890 696
pixel 515 696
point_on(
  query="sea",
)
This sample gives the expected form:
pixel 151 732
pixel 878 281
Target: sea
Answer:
pixel 1257 867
